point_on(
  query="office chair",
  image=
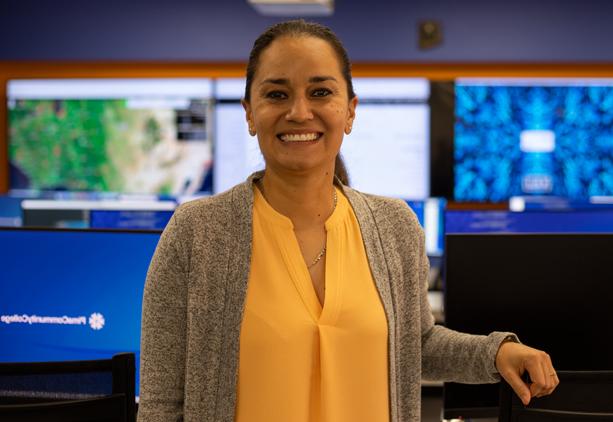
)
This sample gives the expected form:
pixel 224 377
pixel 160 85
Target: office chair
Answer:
pixel 581 396
pixel 71 391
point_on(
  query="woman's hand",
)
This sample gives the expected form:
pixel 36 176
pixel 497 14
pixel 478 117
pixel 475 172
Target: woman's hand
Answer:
pixel 513 359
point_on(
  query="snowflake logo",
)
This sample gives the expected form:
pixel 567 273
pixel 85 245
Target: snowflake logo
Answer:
pixel 96 321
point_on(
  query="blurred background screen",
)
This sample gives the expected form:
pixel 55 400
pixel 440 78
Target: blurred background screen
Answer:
pixel 516 137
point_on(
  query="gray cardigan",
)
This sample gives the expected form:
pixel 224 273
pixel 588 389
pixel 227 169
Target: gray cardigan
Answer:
pixel 195 291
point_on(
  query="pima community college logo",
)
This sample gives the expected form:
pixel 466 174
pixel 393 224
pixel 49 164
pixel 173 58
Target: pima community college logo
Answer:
pixel 96 321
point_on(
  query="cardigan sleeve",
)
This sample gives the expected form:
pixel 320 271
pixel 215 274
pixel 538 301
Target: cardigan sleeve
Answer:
pixel 449 355
pixel 163 331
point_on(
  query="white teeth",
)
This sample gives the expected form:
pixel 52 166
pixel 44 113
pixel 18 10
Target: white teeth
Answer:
pixel 303 137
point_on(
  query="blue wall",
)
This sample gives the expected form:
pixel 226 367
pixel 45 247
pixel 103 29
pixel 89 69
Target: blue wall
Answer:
pixel 373 30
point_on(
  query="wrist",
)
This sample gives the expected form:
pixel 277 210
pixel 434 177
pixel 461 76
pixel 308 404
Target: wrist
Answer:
pixel 511 338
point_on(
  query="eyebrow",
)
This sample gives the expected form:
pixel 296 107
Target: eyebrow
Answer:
pixel 316 79
pixel 284 81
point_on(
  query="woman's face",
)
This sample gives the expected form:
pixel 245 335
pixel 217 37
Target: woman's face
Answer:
pixel 299 105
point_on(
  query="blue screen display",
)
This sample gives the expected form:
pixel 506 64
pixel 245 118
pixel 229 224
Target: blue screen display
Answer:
pixel 533 138
pixel 129 219
pixel 430 214
pixel 529 222
pixel 418 209
pixel 71 295
pixel 10 211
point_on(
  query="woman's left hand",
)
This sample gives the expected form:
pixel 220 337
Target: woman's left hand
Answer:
pixel 513 359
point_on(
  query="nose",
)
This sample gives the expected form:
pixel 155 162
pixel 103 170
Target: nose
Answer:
pixel 300 110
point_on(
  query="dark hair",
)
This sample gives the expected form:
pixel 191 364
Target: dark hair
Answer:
pixel 302 28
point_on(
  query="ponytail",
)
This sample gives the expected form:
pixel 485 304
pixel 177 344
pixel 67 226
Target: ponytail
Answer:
pixel 340 171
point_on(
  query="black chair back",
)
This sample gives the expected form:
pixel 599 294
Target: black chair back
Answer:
pixel 89 391
pixel 581 396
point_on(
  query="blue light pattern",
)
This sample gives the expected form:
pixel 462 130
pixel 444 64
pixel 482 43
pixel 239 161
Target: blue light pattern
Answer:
pixel 491 166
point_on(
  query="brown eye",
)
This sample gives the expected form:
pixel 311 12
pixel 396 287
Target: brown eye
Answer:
pixel 276 95
pixel 321 92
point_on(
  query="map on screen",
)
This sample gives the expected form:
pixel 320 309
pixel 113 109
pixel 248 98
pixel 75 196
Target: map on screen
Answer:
pixel 147 136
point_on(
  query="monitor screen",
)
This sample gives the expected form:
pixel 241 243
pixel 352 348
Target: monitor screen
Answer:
pixel 430 213
pixel 129 219
pixel 141 214
pixel 110 135
pixel 387 152
pixel 484 221
pixel 10 211
pixel 237 154
pixel 552 290
pixel 519 137
pixel 71 294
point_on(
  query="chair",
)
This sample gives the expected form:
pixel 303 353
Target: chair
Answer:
pixel 581 396
pixel 70 391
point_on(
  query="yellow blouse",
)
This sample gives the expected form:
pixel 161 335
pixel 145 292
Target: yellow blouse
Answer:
pixel 300 362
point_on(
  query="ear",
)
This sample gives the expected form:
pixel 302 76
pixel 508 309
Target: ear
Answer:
pixel 249 116
pixel 353 103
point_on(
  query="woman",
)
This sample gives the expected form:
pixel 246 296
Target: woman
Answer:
pixel 292 297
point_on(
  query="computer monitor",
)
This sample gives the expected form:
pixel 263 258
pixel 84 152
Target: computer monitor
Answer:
pixel 553 290
pixel 129 219
pixel 110 135
pixel 140 214
pixel 71 294
pixel 519 137
pixel 10 211
pixel 237 154
pixel 493 221
pixel 430 214
pixel 387 152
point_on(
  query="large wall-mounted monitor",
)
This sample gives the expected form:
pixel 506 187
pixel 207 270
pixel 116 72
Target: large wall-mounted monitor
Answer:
pixel 387 153
pixel 71 294
pixel 521 137
pixel 237 154
pixel 110 135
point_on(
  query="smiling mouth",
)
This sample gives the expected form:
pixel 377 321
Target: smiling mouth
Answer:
pixel 299 137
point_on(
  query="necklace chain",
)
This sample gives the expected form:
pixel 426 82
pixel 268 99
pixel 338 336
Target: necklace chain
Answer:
pixel 322 252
